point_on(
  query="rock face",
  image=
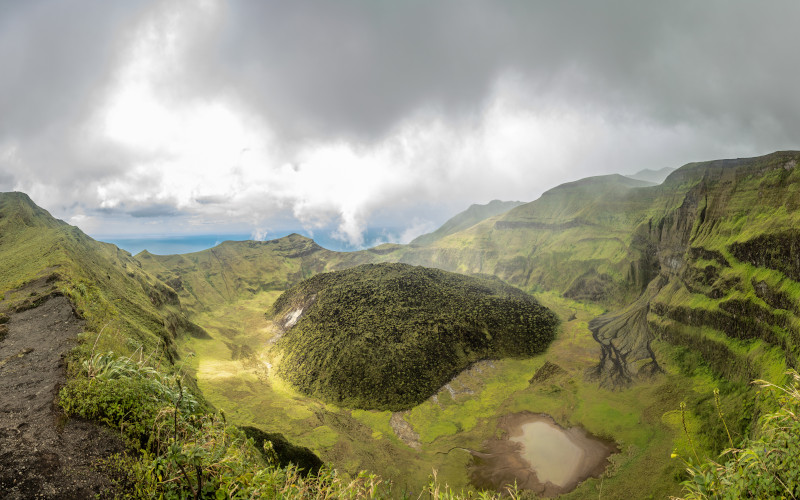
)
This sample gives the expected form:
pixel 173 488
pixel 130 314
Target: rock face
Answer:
pixel 389 336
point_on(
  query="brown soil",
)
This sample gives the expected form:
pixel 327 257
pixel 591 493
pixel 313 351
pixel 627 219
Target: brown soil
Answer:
pixel 42 454
pixel 502 464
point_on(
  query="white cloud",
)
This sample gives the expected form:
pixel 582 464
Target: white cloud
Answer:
pixel 259 234
pixel 186 128
pixel 418 227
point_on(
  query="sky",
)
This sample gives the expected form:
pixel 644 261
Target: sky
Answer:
pixel 173 117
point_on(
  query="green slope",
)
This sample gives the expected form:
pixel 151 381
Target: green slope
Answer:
pixel 466 219
pixel 388 336
pixel 577 239
pixel 697 276
pixel 650 175
pixel 106 284
pixel 125 372
pixel 234 270
pixel 663 257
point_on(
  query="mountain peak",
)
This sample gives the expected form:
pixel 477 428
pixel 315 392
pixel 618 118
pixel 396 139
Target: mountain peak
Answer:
pixel 18 209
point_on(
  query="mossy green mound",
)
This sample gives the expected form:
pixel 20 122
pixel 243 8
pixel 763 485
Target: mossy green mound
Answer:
pixel 388 336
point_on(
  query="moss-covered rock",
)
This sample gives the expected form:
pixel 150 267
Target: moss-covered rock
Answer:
pixel 388 336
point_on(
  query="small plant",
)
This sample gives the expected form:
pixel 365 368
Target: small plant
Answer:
pixel 686 430
pixel 767 467
pixel 721 417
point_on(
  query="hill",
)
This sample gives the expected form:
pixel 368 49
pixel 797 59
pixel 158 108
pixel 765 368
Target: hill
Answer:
pixel 63 296
pixel 650 175
pixel 96 400
pixel 576 239
pixel 388 336
pixel 468 218
pixel 234 270
pixel 106 285
pixel 694 276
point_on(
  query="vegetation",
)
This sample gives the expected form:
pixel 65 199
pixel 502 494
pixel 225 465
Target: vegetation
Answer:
pixel 601 241
pixel 767 466
pixel 388 336
pixel 187 451
pixel 713 248
pixel 236 270
pixel 125 372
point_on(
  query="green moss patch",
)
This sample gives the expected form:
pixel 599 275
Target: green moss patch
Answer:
pixel 388 336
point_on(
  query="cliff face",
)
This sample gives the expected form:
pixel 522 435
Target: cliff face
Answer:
pixel 709 260
pixel 731 292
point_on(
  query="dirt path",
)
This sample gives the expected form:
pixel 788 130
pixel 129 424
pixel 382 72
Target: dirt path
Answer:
pixel 40 455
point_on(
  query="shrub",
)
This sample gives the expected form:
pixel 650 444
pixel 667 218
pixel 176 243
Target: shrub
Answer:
pixel 765 467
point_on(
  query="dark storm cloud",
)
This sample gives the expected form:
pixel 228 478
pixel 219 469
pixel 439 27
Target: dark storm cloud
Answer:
pixel 316 69
pixel 140 210
pixel 210 200
pixel 56 61
pixel 56 58
pixel 474 100
pixel 319 68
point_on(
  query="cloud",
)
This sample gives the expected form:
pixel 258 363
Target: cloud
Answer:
pixel 274 115
pixel 417 228
pixel 259 234
pixel 155 210
pixel 56 57
pixel 322 69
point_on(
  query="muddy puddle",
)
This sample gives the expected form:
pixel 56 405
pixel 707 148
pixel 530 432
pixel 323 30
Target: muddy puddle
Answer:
pixel 540 456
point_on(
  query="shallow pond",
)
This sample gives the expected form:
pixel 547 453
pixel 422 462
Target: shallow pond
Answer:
pixel 540 455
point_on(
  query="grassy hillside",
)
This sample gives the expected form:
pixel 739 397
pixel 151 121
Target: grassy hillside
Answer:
pixel 577 239
pixel 124 372
pixel 388 336
pixel 663 258
pixel 692 285
pixel 650 175
pixel 105 283
pixel 466 219
pixel 234 270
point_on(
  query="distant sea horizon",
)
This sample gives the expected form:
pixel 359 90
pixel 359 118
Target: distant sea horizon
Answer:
pixel 180 244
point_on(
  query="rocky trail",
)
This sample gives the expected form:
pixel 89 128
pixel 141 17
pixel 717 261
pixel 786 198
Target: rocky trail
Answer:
pixel 43 454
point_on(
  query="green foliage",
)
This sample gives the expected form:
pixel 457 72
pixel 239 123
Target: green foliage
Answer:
pixel 105 284
pixel 186 452
pixel 388 336
pixel 599 239
pixel 765 467
pixel 129 396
